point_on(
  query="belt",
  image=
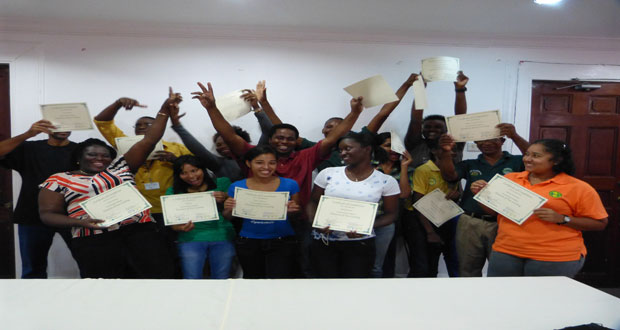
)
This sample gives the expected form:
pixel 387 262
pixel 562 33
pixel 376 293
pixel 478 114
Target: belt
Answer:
pixel 485 217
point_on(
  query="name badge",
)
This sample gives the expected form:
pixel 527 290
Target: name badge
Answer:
pixel 151 186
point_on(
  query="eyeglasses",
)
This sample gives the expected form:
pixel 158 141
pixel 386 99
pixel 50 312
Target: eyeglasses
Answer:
pixel 143 125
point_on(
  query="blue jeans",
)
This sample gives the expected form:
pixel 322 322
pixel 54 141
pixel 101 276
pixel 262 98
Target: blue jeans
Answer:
pixel 34 245
pixel 383 238
pixel 502 264
pixel 194 255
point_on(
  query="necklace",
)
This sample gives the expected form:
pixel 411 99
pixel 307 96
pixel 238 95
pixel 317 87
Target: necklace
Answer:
pixel 355 177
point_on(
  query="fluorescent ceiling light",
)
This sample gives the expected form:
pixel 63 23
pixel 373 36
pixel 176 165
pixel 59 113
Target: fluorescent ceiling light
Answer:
pixel 547 2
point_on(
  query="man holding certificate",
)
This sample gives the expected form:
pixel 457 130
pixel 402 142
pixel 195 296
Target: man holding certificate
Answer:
pixel 132 246
pixel 548 243
pixel 476 230
pixel 338 252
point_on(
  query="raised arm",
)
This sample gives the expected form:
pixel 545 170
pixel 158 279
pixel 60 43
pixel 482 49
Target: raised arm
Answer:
pixel 460 101
pixel 261 93
pixel 41 126
pixel 404 184
pixel 510 132
pixel 446 164
pixel 386 110
pixel 263 120
pixel 110 111
pixel 414 131
pixel 343 128
pixel 195 147
pixel 136 156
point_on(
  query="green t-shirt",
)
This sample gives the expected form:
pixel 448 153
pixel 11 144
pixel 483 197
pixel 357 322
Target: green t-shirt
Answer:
pixel 209 231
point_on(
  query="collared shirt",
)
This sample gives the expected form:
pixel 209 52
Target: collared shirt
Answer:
pixel 428 177
pixel 542 240
pixel 479 169
pixel 152 171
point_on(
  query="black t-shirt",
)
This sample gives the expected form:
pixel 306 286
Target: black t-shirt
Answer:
pixel 35 161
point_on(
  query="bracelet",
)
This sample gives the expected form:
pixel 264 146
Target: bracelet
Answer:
pixel 460 90
pixel 163 114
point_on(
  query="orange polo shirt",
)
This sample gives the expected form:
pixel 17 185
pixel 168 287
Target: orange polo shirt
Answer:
pixel 545 241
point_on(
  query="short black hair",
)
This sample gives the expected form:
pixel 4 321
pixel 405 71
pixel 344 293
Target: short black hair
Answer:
pixel 561 154
pixel 434 117
pixel 333 118
pixel 178 185
pixel 147 117
pixel 239 131
pixel 365 139
pixel 78 152
pixel 274 128
pixel 259 150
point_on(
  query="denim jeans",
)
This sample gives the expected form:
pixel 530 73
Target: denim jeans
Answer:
pixel 34 246
pixel 194 255
pixel 383 239
pixel 502 264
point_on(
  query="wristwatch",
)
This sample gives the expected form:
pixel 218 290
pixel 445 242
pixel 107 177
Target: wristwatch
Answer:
pixel 566 220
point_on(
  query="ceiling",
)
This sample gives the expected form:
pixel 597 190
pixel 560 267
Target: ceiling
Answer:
pixel 599 19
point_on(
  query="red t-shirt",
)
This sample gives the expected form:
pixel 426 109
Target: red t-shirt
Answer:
pixel 297 166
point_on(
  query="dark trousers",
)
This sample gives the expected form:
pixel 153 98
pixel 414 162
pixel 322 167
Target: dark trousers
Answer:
pixel 133 250
pixel 343 259
pixel 415 241
pixel 447 232
pixel 267 258
pixel 34 245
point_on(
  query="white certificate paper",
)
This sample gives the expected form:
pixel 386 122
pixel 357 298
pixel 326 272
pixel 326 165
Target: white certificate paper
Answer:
pixel 436 208
pixel 509 199
pixel 397 144
pixel 232 106
pixel 345 215
pixel 67 116
pixel 115 205
pixel 419 94
pixel 260 205
pixel 123 144
pixel 375 90
pixel 183 208
pixel 440 68
pixel 477 126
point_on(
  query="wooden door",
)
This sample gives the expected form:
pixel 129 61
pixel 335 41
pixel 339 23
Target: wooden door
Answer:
pixel 589 121
pixel 7 244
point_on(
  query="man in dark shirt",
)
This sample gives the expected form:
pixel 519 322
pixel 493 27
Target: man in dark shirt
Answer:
pixel 35 161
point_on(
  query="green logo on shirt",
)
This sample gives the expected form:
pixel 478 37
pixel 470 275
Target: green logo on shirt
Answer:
pixel 555 194
pixel 475 173
pixel 432 181
pixel 507 170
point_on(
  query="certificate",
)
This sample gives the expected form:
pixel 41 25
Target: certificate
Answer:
pixel 260 205
pixel 123 144
pixel 346 215
pixel 474 126
pixel 375 90
pixel 183 208
pixel 509 199
pixel 232 106
pixel 67 116
pixel 440 68
pixel 397 144
pixel 419 94
pixel 115 205
pixel 436 208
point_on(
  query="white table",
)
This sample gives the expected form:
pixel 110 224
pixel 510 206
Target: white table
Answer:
pixel 457 303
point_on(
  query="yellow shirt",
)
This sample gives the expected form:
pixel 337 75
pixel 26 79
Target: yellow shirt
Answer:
pixel 427 177
pixel 154 177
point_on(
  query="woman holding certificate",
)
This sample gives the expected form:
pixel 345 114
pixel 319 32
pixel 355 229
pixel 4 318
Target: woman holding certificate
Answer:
pixel 206 240
pixel 341 254
pixel 548 243
pixel 130 247
pixel 266 248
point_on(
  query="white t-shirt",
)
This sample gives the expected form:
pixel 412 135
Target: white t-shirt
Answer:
pixel 337 184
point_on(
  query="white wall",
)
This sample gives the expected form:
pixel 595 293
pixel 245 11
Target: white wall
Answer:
pixel 304 79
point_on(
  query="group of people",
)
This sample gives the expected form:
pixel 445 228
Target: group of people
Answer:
pixel 57 175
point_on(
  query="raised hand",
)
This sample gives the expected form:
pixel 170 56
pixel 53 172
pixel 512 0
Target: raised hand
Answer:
pixel 171 104
pixel 165 156
pixel 356 104
pixel 261 91
pixel 175 117
pixel 205 96
pixel 250 97
pixel 507 130
pixel 41 126
pixel 412 78
pixel 128 103
pixel 461 80
pixel 446 143
pixel 406 160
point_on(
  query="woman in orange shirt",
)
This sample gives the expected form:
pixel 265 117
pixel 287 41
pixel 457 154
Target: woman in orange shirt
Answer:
pixel 548 243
